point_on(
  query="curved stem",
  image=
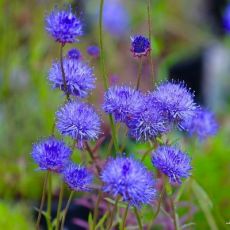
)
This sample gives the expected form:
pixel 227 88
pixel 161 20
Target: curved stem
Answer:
pixel 49 201
pixel 124 217
pixel 150 38
pixel 66 209
pixel 113 214
pixel 95 212
pixel 175 218
pixel 59 205
pixel 42 200
pixel 139 73
pixel 63 73
pixel 138 218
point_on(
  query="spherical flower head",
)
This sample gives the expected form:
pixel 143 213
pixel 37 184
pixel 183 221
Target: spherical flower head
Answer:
pixel 93 51
pixel 226 18
pixel 172 162
pixel 130 179
pixel 140 46
pixel 203 124
pixel 79 77
pixel 148 124
pixel 63 25
pixel 175 101
pixel 122 102
pixel 74 54
pixel 77 177
pixel 79 121
pixel 51 154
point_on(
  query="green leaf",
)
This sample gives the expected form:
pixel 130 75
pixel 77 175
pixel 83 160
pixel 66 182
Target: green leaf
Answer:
pixel 90 221
pixel 120 203
pixel 102 220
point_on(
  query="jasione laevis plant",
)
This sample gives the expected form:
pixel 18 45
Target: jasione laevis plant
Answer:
pixel 146 115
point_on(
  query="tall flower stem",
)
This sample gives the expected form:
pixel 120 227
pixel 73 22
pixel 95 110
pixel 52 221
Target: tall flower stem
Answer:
pixel 139 73
pixel 150 38
pixel 59 205
pixel 66 209
pixel 42 200
pixel 49 200
pixel 113 214
pixel 138 219
pixel 175 217
pixel 105 80
pixel 63 73
pixel 96 208
pixel 124 217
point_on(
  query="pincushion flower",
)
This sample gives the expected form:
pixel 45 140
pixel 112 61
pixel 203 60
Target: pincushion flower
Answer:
pixel 51 154
pixel 74 54
pixel 226 18
pixel 93 51
pixel 203 124
pixel 122 102
pixel 77 177
pixel 175 102
pixel 63 25
pixel 79 77
pixel 79 121
pixel 172 162
pixel 140 46
pixel 130 179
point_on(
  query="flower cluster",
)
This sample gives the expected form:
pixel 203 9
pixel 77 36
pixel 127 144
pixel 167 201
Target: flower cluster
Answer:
pixel 128 178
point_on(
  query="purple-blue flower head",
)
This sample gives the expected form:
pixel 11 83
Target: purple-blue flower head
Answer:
pixel 203 124
pixel 175 101
pixel 226 18
pixel 122 102
pixel 74 54
pixel 172 162
pixel 130 179
pixel 148 124
pixel 79 77
pixel 93 51
pixel 51 154
pixel 140 46
pixel 63 25
pixel 77 177
pixel 79 121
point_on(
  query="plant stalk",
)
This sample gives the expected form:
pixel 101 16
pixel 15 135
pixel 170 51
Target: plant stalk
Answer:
pixel 59 205
pixel 124 217
pixel 139 73
pixel 138 218
pixel 113 214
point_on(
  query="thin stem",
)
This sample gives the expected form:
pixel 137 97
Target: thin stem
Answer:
pixel 113 214
pixel 66 209
pixel 138 218
pixel 150 38
pixel 42 200
pixel 124 217
pixel 146 153
pixel 59 205
pixel 139 73
pixel 114 135
pixel 63 73
pixel 175 219
pixel 96 208
pixel 49 201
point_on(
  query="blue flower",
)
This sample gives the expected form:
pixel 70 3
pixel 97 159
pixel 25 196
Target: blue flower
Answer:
pixel 93 51
pixel 63 26
pixel 122 102
pixel 77 177
pixel 74 54
pixel 79 77
pixel 51 154
pixel 172 162
pixel 130 179
pixel 175 101
pixel 149 123
pixel 79 121
pixel 226 18
pixel 140 46
pixel 203 124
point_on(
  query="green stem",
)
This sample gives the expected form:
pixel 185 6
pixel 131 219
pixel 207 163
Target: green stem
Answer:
pixel 124 217
pixel 59 205
pixel 114 135
pixel 139 73
pixel 42 200
pixel 150 38
pixel 96 208
pixel 147 152
pixel 138 218
pixel 113 214
pixel 63 73
pixel 49 201
pixel 66 209
pixel 175 218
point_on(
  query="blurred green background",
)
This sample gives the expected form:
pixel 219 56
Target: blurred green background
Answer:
pixel 27 103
